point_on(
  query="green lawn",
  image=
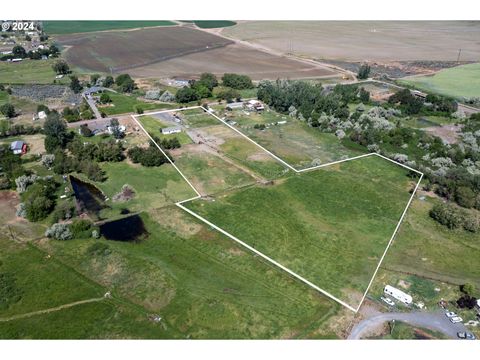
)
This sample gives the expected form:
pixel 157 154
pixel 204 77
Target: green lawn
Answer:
pixel 72 27
pixel 458 82
pixel 330 226
pixel 129 103
pixel 28 72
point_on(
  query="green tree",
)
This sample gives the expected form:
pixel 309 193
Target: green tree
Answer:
pixel 75 84
pixel 55 130
pixel 8 110
pixel 108 82
pixel 115 128
pixel 468 288
pixel 209 80
pixel 363 72
pixel 19 51
pixel 186 94
pixel 236 81
pixel 105 98
pixel 125 83
pixel 61 67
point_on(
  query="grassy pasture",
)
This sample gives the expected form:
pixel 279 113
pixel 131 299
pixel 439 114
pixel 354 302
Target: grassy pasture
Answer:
pixel 211 24
pixel 442 254
pixel 28 72
pixel 330 226
pixel 201 284
pixel 209 172
pixel 153 126
pixel 72 27
pixel 458 82
pixel 41 282
pixel 298 144
pixel 129 103
pixel 154 187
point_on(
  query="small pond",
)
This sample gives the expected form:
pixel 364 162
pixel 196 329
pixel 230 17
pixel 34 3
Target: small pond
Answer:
pixel 89 198
pixel 131 229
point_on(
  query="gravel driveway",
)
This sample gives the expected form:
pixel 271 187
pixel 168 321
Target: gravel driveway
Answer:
pixel 430 320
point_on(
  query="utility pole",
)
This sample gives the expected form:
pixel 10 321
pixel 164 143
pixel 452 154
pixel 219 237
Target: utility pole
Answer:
pixel 458 57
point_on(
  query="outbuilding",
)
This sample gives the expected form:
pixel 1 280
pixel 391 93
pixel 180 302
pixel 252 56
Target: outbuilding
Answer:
pixel 18 147
pixel 171 130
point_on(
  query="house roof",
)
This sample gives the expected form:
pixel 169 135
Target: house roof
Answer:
pixel 16 145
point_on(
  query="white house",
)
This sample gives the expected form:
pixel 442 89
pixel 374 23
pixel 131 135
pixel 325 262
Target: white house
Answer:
pixel 398 294
pixel 255 105
pixel 171 130
pixel 18 147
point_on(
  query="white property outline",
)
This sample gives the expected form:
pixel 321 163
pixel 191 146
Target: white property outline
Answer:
pixel 272 261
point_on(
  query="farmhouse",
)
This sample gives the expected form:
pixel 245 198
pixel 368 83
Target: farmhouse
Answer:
pixel 18 147
pixel 171 130
pixel 398 294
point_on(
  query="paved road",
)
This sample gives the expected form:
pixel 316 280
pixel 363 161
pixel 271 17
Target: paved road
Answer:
pixel 434 321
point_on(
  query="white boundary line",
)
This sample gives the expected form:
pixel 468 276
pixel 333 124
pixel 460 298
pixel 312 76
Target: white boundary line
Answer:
pixel 180 203
pixel 163 152
pixel 390 242
pixel 265 257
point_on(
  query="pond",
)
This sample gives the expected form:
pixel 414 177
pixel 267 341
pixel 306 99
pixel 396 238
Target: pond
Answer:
pixel 89 198
pixel 131 229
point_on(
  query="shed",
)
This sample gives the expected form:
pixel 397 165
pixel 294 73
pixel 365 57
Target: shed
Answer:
pixel 171 130
pixel 18 147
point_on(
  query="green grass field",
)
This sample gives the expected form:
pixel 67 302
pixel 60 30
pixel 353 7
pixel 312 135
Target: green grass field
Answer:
pixel 40 282
pixel 458 82
pixel 330 226
pixel 72 27
pixel 210 173
pixel 153 126
pixel 298 144
pixel 128 104
pixel 442 254
pixel 28 72
pixel 196 118
pixel 211 24
pixel 154 187
pixel 199 282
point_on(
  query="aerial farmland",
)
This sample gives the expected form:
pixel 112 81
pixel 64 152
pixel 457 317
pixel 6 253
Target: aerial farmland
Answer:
pixel 224 179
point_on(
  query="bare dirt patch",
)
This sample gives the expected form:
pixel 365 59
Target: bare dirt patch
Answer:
pixel 234 58
pixel 448 133
pixel 365 40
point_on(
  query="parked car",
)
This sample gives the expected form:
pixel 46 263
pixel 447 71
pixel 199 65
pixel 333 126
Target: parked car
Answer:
pixel 450 314
pixel 465 335
pixel 456 319
pixel 387 301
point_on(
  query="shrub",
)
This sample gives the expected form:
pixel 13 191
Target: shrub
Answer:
pixel 81 229
pixel 147 157
pixel 59 232
pixel 99 249
pixel 446 214
pixel 8 110
pixel 363 72
pixel 48 160
pixel 464 196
